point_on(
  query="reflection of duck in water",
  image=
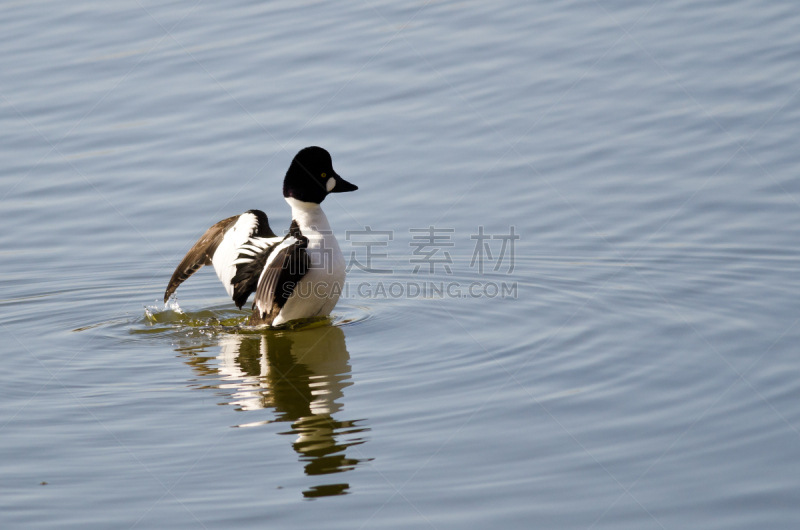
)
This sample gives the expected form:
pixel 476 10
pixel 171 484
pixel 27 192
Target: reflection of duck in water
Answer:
pixel 302 376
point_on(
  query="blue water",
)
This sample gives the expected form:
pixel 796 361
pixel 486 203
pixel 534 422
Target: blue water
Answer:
pixel 630 366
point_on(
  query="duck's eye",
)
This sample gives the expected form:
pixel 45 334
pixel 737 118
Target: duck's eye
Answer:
pixel 324 175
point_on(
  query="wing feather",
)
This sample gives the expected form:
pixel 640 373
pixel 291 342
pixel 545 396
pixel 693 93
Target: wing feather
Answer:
pixel 200 254
pixel 249 265
pixel 283 271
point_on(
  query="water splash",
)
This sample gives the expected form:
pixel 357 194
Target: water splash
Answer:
pixel 172 305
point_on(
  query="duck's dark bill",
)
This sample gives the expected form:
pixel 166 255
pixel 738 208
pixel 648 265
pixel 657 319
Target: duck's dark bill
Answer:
pixel 342 185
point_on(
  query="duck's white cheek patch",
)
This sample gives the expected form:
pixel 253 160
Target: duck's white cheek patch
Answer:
pixel 331 183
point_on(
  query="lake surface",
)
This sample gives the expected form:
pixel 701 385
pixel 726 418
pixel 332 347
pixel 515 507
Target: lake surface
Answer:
pixel 581 304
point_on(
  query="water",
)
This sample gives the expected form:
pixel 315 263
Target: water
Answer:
pixel 640 375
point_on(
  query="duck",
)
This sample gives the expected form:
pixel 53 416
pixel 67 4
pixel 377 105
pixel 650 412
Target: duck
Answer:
pixel 295 276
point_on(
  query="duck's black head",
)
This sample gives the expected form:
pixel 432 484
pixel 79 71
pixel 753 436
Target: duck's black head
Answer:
pixel 311 177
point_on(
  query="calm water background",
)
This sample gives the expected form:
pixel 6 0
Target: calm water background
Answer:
pixel 645 375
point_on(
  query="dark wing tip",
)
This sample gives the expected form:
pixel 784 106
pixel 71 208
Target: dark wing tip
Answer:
pixel 178 277
pixel 170 290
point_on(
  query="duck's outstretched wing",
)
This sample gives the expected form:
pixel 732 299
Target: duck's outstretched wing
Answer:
pixel 229 245
pixel 284 268
pixel 200 254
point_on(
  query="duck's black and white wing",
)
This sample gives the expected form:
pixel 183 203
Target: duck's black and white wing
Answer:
pixel 237 247
pixel 285 267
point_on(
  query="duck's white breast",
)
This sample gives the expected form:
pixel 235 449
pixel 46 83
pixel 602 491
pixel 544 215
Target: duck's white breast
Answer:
pixel 317 293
